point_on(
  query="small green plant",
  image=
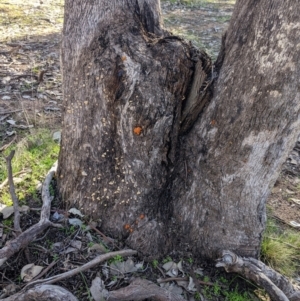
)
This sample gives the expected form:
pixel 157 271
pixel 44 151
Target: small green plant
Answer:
pixel 207 292
pixel 117 258
pixel 197 296
pixel 35 69
pixel 8 222
pixel 206 279
pixel 235 295
pixel 49 243
pixel 167 259
pixel 114 278
pixel 51 190
pixel 55 257
pixel 90 244
pixel 190 260
pixel 223 280
pixel 83 227
pixel 155 263
pixel 216 289
pixel 86 286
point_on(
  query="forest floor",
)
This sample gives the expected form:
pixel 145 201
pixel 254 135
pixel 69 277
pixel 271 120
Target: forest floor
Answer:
pixel 30 122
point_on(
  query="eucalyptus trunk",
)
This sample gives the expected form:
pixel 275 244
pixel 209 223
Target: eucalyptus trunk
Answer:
pixel 164 148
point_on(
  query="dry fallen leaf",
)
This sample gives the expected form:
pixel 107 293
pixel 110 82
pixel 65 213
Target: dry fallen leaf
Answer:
pixel 29 271
pixel 76 212
pixel 98 290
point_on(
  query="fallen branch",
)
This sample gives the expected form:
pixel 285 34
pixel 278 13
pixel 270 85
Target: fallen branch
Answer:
pixel 105 238
pixel 84 267
pixel 276 285
pixel 12 192
pixel 4 147
pixel 5 182
pixel 14 245
pixel 140 289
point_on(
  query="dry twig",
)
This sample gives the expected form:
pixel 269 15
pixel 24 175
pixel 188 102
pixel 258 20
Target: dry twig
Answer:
pixel 12 191
pixel 141 289
pixel 13 246
pixel 84 267
pixel 2 185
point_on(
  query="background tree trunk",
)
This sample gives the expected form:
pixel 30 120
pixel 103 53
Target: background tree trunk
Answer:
pixel 131 155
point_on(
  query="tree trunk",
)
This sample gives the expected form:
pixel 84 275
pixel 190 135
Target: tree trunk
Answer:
pixel 139 153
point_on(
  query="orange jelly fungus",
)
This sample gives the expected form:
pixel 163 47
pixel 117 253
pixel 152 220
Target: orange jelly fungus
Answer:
pixel 213 122
pixel 126 227
pixel 137 130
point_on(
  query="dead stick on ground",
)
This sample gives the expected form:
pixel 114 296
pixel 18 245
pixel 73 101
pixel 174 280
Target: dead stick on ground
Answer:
pixel 4 147
pixel 14 175
pixel 141 289
pixel 45 270
pixel 84 267
pixel 14 245
pixel 108 240
pixel 13 193
pixel 185 279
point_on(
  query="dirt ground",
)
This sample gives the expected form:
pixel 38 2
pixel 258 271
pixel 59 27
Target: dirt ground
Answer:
pixel 30 84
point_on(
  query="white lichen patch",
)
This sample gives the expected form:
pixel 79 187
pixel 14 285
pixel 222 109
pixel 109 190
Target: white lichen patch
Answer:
pixel 278 53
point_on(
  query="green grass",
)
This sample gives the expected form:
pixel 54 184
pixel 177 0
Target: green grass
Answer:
pixel 281 248
pixel 235 295
pixel 37 152
pixel 220 290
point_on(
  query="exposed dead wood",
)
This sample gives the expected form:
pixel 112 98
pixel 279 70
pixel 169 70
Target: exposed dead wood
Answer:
pixel 197 98
pixel 43 292
pixel 141 289
pixel 276 285
pixel 13 246
pixel 12 191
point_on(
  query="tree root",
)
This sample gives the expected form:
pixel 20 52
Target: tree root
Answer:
pixel 21 241
pixel 141 289
pixel 276 285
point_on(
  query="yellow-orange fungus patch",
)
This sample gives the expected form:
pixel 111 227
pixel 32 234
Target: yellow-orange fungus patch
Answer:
pixel 137 130
pixel 126 227
pixel 213 122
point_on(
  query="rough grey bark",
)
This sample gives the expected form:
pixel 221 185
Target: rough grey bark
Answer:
pixel 231 158
pixel 134 153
